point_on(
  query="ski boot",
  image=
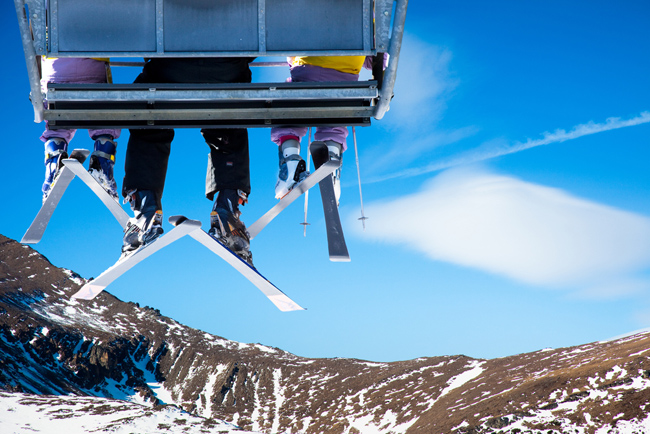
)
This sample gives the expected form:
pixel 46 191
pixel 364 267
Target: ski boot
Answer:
pixel 56 150
pixel 146 225
pixel 293 169
pixel 102 161
pixel 227 228
pixel 334 149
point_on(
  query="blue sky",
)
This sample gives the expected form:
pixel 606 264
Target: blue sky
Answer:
pixel 506 190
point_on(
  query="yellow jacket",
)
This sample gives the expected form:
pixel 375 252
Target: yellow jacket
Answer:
pixel 349 64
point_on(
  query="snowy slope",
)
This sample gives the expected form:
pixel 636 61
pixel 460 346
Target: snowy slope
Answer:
pixel 23 413
pixel 110 365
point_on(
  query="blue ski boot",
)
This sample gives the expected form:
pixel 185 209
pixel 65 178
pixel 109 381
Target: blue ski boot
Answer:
pixel 227 228
pixel 56 150
pixel 102 161
pixel 293 169
pixel 146 225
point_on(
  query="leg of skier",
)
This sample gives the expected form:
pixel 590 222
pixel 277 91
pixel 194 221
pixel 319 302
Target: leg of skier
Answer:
pixel 335 139
pixel 228 178
pixel 147 156
pixel 79 70
pixel 56 150
pixel 102 161
pixel 293 168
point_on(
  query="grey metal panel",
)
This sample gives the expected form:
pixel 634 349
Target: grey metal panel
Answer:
pixel 206 114
pixel 104 26
pixel 261 25
pixel 383 14
pixel 36 9
pixel 367 25
pixel 154 94
pixel 314 25
pixel 210 25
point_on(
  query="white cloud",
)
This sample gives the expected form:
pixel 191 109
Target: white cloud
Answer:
pixel 527 232
pixel 423 85
pixel 499 147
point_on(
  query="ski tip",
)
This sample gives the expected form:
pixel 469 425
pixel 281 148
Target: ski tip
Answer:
pixel 177 219
pixel 81 151
pixel 340 258
pixel 317 145
pixel 88 292
pixel 80 155
pixel 284 303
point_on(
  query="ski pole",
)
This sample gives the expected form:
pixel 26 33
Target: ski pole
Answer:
pixel 363 218
pixel 305 224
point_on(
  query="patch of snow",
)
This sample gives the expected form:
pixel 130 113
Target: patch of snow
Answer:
pixel 29 414
pixel 614 371
pixel 71 275
pixel 476 368
pixel 278 391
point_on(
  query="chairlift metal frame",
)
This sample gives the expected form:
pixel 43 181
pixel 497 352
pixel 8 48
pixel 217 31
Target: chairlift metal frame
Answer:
pixel 165 28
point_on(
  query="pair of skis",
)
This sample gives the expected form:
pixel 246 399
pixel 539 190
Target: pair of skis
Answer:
pixel 183 227
pixel 338 251
pixel 72 167
pixel 323 175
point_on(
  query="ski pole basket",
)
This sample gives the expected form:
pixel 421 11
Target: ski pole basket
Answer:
pixel 208 28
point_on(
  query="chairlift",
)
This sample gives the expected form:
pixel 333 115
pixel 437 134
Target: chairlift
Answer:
pixel 118 29
pixel 205 28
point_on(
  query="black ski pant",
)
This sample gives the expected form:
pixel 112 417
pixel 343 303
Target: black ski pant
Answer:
pixel 147 153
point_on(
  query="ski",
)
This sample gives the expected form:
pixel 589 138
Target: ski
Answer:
pixel 111 203
pixel 326 169
pixel 338 250
pixel 94 287
pixel 277 297
pixel 36 230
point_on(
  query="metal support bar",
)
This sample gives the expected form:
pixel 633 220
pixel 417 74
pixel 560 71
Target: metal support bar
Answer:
pixel 394 49
pixel 208 114
pixel 261 25
pixel 30 60
pixel 67 93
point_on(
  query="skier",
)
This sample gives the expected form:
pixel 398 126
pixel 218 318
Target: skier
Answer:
pixel 305 69
pixel 228 176
pixel 102 159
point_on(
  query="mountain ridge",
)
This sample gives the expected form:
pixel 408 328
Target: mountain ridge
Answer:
pixel 53 345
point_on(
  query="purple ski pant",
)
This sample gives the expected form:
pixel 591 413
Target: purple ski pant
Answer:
pixel 305 73
pixel 73 70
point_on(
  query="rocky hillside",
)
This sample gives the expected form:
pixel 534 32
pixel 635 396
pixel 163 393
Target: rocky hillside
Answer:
pixel 52 345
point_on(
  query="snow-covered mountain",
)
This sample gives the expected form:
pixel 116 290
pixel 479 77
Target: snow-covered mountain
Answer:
pixel 111 365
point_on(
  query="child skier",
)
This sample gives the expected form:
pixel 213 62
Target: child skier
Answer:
pixel 305 69
pixel 102 160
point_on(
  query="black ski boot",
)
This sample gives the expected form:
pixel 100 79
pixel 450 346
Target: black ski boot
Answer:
pixel 146 225
pixel 227 228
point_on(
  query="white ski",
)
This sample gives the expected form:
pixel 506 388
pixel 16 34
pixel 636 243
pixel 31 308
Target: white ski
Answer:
pixel 185 226
pixel 313 179
pixel 91 289
pixel 36 230
pixel 112 204
pixel 72 167
pixel 277 297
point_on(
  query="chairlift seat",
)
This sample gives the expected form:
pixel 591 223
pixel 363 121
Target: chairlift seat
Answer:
pixel 233 105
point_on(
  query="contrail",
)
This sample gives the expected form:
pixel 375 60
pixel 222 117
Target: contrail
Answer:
pixel 482 153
